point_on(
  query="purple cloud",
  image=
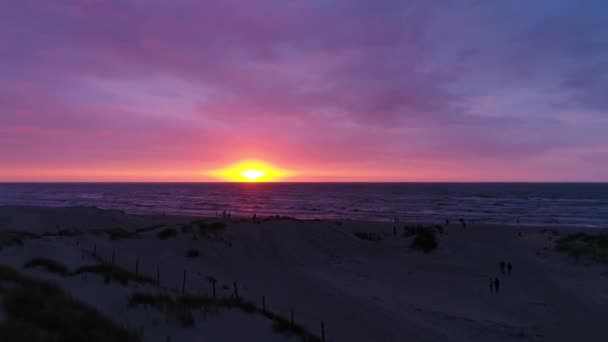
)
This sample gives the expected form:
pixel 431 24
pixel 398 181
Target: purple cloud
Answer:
pixel 397 86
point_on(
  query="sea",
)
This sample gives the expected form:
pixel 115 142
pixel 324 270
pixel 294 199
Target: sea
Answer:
pixel 563 204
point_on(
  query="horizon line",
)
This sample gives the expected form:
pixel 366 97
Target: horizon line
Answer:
pixel 309 182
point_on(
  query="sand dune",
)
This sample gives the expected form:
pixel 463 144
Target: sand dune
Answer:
pixel 361 290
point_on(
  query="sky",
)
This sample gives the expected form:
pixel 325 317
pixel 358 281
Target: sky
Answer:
pixel 329 90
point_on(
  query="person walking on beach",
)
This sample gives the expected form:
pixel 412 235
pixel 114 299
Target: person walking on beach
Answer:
pixel 509 267
pixel 502 267
pixel 496 284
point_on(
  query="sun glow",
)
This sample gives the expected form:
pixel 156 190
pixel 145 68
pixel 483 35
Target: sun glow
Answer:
pixel 251 171
pixel 253 174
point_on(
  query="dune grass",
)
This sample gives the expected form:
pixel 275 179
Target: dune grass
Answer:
pixel 49 265
pixel 40 311
pixel 581 245
pixel 115 273
pixel 109 272
pixel 368 236
pixel 119 233
pixel 149 228
pixel 12 239
pixel 211 228
pixel 182 308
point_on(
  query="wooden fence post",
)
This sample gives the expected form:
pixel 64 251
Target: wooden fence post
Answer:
pixel 236 291
pixel 322 331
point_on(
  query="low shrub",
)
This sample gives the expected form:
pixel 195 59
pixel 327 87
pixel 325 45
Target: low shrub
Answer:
pixel 167 233
pixel 582 245
pixel 192 253
pixel 425 240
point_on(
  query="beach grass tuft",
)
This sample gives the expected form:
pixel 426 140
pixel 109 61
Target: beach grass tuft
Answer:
pixel 49 265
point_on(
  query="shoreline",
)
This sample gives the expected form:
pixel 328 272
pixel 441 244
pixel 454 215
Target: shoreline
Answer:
pixel 453 222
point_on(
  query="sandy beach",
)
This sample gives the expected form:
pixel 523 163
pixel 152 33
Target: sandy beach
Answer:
pixel 363 287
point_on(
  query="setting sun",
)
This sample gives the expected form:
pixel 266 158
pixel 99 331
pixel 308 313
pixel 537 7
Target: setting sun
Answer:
pixel 253 175
pixel 251 171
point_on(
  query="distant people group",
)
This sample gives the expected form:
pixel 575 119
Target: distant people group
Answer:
pixel 226 215
pixel 505 268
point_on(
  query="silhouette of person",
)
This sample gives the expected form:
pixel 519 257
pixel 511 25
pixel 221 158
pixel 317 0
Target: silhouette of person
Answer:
pixel 496 284
pixel 502 267
pixel 509 267
pixel 254 216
